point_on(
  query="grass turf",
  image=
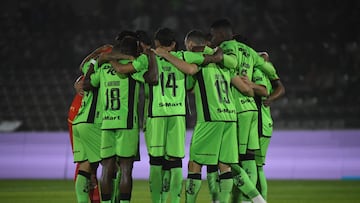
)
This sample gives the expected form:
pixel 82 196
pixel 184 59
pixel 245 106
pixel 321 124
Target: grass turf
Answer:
pixel 280 191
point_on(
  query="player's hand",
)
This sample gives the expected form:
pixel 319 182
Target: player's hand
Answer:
pixel 103 58
pixel 267 102
pixel 79 87
pixel 264 55
pixel 160 51
pixel 245 79
pixel 219 54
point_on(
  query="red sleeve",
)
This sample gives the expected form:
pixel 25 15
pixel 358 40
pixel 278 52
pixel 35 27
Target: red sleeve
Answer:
pixel 74 108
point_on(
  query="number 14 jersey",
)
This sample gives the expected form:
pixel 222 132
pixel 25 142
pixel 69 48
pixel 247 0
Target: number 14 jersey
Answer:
pixel 168 97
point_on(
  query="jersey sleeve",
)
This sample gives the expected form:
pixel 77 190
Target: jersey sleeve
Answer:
pixel 230 54
pixel 141 63
pixel 139 76
pixel 95 77
pixel 266 67
pixel 193 57
pixel 259 78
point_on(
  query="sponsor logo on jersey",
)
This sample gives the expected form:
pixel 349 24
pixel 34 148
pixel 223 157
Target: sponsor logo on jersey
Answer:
pixel 219 110
pixel 169 104
pixel 113 83
pixel 247 100
pixel 111 118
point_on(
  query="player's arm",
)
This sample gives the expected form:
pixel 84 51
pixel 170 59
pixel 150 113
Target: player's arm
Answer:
pixel 228 60
pixel 242 86
pixel 183 66
pixel 258 89
pixel 122 68
pixel 78 85
pixel 113 56
pixel 279 91
pixel 152 75
pixel 87 86
pixel 96 53
pixel 278 87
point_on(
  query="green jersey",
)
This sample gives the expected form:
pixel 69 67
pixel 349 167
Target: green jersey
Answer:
pixel 90 109
pixel 119 97
pixel 213 97
pixel 243 103
pixel 168 97
pixel 266 121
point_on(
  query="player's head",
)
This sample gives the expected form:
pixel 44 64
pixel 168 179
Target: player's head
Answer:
pixel 165 37
pixel 242 39
pixel 195 38
pixel 144 39
pixel 128 45
pixel 221 30
pixel 125 33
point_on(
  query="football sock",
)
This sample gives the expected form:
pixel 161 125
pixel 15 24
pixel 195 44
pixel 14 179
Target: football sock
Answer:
pixel 176 179
pixel 165 182
pixel 82 184
pixel 115 193
pixel 155 181
pixel 192 187
pixel 258 199
pixel 250 167
pixel 213 182
pixel 262 183
pixel 242 182
pixel 226 184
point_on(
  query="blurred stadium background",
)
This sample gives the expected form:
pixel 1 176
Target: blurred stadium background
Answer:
pixel 315 46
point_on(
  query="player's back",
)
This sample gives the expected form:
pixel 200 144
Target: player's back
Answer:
pixel 168 97
pixel 119 98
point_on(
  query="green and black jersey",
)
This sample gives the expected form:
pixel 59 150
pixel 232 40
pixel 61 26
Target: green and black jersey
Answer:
pixel 213 98
pixel 90 109
pixel 265 120
pixel 119 97
pixel 168 97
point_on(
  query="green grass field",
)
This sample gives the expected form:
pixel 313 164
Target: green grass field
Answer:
pixel 280 191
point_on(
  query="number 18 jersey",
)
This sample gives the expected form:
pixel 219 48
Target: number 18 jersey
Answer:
pixel 119 97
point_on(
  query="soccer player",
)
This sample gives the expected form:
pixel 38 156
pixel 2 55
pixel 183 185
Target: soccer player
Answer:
pixel 86 139
pixel 222 36
pixel 216 125
pixel 73 111
pixel 274 90
pixel 120 132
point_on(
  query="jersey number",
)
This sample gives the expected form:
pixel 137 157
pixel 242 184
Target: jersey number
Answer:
pixel 112 99
pixel 222 90
pixel 170 83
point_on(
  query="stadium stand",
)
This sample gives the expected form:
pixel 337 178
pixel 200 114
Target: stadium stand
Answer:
pixel 315 48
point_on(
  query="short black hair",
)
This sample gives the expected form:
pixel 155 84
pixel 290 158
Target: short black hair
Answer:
pixel 128 45
pixel 223 24
pixel 242 39
pixel 197 37
pixel 125 33
pixel 165 36
pixel 143 37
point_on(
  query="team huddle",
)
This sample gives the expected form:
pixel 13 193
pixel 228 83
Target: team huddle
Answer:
pixel 233 87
